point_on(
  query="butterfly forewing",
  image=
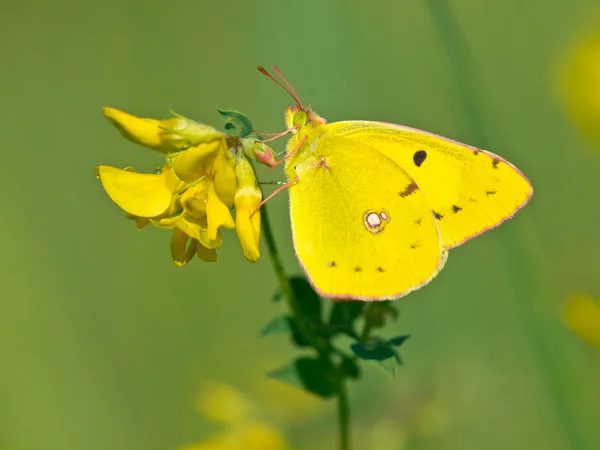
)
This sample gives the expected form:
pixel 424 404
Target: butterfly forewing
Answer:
pixel 362 228
pixel 468 190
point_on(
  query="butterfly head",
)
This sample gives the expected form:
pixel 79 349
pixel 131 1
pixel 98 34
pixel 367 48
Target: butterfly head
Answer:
pixel 297 117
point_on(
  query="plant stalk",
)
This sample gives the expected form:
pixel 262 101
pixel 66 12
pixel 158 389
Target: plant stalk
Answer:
pixel 343 415
pixel 318 343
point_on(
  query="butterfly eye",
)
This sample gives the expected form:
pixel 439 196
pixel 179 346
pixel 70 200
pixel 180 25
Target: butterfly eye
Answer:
pixel 376 221
pixel 299 118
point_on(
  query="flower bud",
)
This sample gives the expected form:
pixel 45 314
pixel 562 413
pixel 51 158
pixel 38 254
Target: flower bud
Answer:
pixel 263 154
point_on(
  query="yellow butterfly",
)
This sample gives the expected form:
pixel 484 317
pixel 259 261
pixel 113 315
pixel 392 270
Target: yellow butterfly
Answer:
pixel 375 207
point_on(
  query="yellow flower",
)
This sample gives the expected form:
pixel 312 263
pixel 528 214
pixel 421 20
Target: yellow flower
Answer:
pixel 247 217
pixel 226 405
pixel 194 190
pixel 140 194
pixel 190 195
pixel 582 315
pixel 223 403
pixel 580 85
pixel 167 136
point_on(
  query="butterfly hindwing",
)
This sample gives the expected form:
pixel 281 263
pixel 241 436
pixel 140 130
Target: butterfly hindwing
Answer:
pixel 362 228
pixel 469 190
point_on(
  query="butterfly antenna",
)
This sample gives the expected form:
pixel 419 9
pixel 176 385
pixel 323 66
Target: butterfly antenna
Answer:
pixel 287 89
pixel 288 84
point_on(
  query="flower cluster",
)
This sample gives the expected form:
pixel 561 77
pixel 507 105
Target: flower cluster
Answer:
pixel 205 173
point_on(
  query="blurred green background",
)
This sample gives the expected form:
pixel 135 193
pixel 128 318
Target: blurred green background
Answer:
pixel 104 344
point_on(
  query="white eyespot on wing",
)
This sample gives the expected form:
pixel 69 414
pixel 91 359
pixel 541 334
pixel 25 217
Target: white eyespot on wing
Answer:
pixel 372 220
pixel 375 221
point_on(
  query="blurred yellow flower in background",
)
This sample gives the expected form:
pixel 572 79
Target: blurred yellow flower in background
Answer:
pixel 580 84
pixel 194 190
pixel 581 314
pixel 242 429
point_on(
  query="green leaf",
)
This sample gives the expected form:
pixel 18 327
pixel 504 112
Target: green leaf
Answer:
pixel 374 350
pixel 311 374
pixel 398 341
pixel 388 365
pixel 285 324
pixel 343 315
pixel 238 121
pixel 278 325
pixel 350 368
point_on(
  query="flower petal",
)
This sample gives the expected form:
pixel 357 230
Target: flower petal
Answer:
pixel 248 232
pixel 180 252
pixel 217 213
pixel 194 199
pixel 146 132
pixel 196 161
pixel 247 199
pixel 206 254
pixel 193 227
pixel 139 194
pixel 224 176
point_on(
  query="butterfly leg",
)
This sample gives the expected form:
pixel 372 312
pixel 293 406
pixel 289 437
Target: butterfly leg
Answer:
pixel 275 192
pixel 290 153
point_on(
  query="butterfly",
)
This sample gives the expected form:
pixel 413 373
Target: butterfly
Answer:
pixel 375 207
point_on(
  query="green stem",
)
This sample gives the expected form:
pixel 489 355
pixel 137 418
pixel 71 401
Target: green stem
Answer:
pixel 318 343
pixel 289 296
pixel 343 415
pixel 367 328
pixel 527 277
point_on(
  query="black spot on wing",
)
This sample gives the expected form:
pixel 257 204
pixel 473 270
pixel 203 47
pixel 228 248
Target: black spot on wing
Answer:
pixel 358 269
pixel 419 157
pixel 379 269
pixel 419 220
pixel 476 152
pixel 331 264
pixel 412 187
pixel 437 215
pixel 456 209
pixel 495 163
pixel 490 192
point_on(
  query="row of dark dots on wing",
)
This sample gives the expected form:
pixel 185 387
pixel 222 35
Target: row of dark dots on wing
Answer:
pixel 495 161
pixel 332 264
